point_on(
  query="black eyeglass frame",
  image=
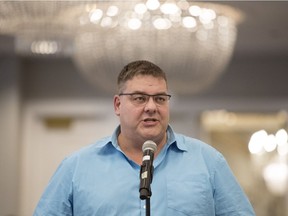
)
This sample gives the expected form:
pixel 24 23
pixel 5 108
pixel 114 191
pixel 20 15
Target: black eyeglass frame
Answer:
pixel 147 95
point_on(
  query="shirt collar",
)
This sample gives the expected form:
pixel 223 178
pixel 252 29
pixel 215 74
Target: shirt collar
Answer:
pixel 171 139
pixel 114 137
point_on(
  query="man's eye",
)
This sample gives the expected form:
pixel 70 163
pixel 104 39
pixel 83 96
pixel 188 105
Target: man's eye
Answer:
pixel 160 99
pixel 139 98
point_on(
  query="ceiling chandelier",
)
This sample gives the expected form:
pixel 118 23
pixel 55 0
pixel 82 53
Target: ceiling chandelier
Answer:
pixel 192 41
pixel 37 26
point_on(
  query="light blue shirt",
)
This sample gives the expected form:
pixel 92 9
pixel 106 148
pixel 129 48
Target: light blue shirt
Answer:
pixel 190 178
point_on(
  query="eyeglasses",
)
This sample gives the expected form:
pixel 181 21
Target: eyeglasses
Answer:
pixel 141 99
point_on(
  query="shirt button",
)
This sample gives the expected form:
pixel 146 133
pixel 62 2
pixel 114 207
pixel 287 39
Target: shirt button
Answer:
pixel 144 206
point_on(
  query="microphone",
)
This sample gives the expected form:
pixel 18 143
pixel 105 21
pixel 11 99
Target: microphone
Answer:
pixel 146 171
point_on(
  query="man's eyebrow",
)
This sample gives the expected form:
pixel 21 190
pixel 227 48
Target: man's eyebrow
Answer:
pixel 141 92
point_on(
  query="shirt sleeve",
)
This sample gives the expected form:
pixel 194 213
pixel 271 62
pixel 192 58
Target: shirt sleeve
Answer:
pixel 57 197
pixel 230 199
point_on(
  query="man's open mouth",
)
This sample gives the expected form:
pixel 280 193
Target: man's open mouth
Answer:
pixel 150 119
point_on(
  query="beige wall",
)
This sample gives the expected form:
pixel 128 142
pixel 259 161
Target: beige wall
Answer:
pixel 9 135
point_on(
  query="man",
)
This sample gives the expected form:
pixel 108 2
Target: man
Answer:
pixel 189 178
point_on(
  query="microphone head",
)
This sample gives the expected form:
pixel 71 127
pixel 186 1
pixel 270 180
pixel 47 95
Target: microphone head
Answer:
pixel 149 145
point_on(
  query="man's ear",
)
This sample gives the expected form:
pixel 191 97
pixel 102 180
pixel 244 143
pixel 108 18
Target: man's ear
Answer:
pixel 117 105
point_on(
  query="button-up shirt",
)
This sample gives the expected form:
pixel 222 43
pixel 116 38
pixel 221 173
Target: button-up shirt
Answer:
pixel 190 178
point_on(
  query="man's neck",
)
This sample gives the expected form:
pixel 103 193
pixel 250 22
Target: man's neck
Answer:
pixel 133 149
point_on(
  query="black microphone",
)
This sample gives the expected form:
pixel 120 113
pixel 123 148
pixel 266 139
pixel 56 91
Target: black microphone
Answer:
pixel 146 171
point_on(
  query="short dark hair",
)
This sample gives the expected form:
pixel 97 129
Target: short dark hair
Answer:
pixel 140 67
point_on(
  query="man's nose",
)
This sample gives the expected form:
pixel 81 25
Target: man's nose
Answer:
pixel 150 105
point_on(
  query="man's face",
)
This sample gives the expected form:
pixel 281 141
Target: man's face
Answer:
pixel 147 121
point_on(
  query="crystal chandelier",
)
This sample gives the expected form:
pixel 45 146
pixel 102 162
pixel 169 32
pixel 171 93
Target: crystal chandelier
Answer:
pixel 37 26
pixel 192 41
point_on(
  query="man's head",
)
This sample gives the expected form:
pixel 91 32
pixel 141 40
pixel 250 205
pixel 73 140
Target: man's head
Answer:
pixel 142 103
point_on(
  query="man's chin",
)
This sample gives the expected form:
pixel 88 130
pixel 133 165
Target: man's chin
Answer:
pixel 154 137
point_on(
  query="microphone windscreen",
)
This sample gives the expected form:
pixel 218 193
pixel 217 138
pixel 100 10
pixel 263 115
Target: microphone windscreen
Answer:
pixel 149 145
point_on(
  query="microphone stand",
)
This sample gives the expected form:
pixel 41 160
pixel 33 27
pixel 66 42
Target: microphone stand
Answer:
pixel 145 191
pixel 148 206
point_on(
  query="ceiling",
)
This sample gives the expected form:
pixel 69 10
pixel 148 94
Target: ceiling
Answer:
pixel 264 30
pixel 260 60
pixel 259 66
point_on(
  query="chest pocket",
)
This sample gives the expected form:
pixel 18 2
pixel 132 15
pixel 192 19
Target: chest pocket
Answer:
pixel 193 196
